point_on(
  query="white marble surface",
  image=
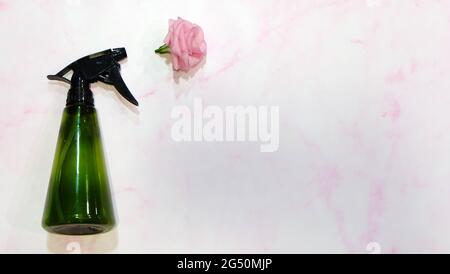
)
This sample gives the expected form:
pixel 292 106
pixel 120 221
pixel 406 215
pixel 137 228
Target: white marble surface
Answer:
pixel 363 89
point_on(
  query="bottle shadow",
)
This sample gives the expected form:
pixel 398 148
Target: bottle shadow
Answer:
pixel 92 244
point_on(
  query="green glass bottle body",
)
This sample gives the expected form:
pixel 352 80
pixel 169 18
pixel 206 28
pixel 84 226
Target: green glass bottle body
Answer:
pixel 79 196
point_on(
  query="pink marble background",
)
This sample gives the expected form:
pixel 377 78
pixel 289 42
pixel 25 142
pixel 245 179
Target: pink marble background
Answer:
pixel 364 93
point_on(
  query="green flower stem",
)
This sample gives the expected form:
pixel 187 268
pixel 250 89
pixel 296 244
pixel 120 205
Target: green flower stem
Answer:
pixel 164 49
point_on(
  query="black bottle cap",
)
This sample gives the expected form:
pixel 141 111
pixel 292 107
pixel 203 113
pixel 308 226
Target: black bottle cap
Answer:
pixel 102 66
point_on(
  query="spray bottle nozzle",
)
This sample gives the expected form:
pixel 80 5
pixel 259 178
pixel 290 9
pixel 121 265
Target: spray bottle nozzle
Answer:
pixel 119 54
pixel 102 66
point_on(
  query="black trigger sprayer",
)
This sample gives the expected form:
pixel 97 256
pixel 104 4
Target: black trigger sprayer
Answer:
pixel 104 67
pixel 79 197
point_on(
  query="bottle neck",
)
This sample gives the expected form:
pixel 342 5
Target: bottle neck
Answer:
pixel 80 92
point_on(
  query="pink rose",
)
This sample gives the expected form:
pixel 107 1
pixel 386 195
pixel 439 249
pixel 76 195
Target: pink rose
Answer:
pixel 186 43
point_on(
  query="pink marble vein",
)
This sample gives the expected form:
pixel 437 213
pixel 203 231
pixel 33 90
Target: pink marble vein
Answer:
pixel 395 77
pixel 375 210
pixel 394 110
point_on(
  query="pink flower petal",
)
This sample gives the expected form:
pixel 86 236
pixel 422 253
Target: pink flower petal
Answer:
pixel 187 44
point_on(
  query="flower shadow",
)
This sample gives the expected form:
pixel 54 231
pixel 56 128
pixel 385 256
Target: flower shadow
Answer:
pixel 177 75
pixel 181 75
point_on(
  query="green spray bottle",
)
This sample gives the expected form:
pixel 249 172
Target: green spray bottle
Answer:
pixel 79 197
